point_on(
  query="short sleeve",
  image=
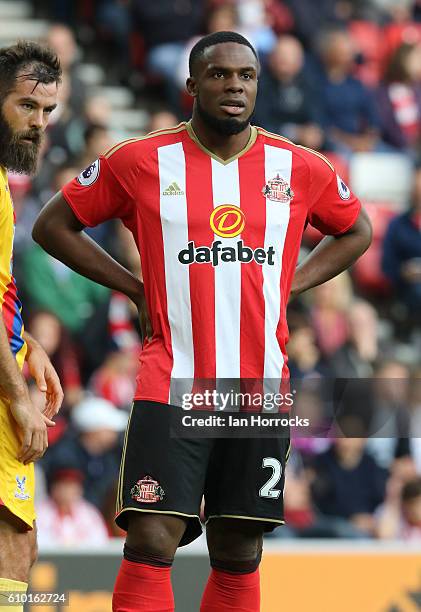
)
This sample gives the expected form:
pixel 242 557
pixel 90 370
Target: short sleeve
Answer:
pixel 104 190
pixel 333 208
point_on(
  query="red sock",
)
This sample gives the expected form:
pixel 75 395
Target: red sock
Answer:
pixel 143 588
pixel 226 592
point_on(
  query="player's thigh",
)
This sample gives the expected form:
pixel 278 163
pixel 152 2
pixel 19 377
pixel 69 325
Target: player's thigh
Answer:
pixel 162 479
pixel 17 547
pixel 17 481
pixel 246 480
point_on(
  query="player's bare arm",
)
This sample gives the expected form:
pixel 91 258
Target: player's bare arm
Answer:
pixel 59 232
pixel 42 371
pixel 333 255
pixel 32 424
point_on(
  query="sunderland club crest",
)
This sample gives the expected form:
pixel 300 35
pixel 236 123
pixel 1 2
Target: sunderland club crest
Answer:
pixel 278 190
pixel 147 491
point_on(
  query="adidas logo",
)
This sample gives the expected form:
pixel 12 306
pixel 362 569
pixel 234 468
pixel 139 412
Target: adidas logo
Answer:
pixel 173 190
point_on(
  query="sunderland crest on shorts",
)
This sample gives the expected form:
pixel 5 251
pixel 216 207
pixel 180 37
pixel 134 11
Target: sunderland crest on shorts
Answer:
pixel 278 190
pixel 147 491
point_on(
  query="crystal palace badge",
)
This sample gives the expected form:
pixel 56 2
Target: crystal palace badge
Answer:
pixel 278 190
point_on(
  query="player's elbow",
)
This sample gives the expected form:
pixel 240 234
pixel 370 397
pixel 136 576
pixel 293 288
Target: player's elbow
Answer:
pixel 46 232
pixel 50 222
pixel 364 231
pixel 367 231
pixel 40 230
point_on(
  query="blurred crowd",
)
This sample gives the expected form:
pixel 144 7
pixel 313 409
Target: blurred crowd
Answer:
pixel 339 76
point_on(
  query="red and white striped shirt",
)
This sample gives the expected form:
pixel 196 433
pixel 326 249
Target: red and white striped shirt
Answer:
pixel 218 242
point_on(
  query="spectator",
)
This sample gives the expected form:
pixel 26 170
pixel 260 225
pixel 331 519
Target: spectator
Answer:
pixel 65 132
pixel 348 484
pixel 299 511
pixel 400 516
pixel 356 357
pixel 61 39
pixel 401 261
pixel 92 446
pixel 52 286
pixel 254 19
pixel 46 328
pixel 399 99
pixel 400 28
pixel 162 120
pixel 350 114
pixel 115 380
pixel 304 359
pixel 311 17
pixel 97 109
pixel 65 519
pixel 123 323
pixel 309 404
pixel 165 27
pixel 329 303
pixel 279 16
pixel 97 141
pixel 302 519
pixel 287 103
pixel 389 412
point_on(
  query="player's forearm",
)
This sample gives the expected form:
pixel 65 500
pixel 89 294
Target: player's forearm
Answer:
pixel 12 383
pixel 332 256
pixel 57 235
pixel 30 342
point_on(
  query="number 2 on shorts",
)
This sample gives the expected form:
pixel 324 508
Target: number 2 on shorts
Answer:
pixel 267 490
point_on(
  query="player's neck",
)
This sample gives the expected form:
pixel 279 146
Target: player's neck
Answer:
pixel 220 145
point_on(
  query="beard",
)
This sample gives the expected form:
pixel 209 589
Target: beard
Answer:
pixel 16 155
pixel 225 127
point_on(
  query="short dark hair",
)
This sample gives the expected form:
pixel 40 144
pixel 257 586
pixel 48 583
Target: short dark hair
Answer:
pixel 216 39
pixel 92 129
pixel 42 64
pixel 396 67
pixel 411 490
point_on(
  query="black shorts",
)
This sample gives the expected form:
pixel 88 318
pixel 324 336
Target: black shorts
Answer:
pixel 239 477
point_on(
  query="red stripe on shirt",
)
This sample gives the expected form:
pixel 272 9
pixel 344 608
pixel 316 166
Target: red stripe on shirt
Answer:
pixel 200 207
pixel 156 359
pixel 252 323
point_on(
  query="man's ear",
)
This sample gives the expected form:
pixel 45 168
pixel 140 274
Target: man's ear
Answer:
pixel 191 86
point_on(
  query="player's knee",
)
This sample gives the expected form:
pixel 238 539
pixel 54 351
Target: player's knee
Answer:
pixel 236 566
pixel 155 535
pixel 236 543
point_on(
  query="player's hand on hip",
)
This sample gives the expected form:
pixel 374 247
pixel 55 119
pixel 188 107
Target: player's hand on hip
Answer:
pixel 144 319
pixel 45 376
pixel 33 429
